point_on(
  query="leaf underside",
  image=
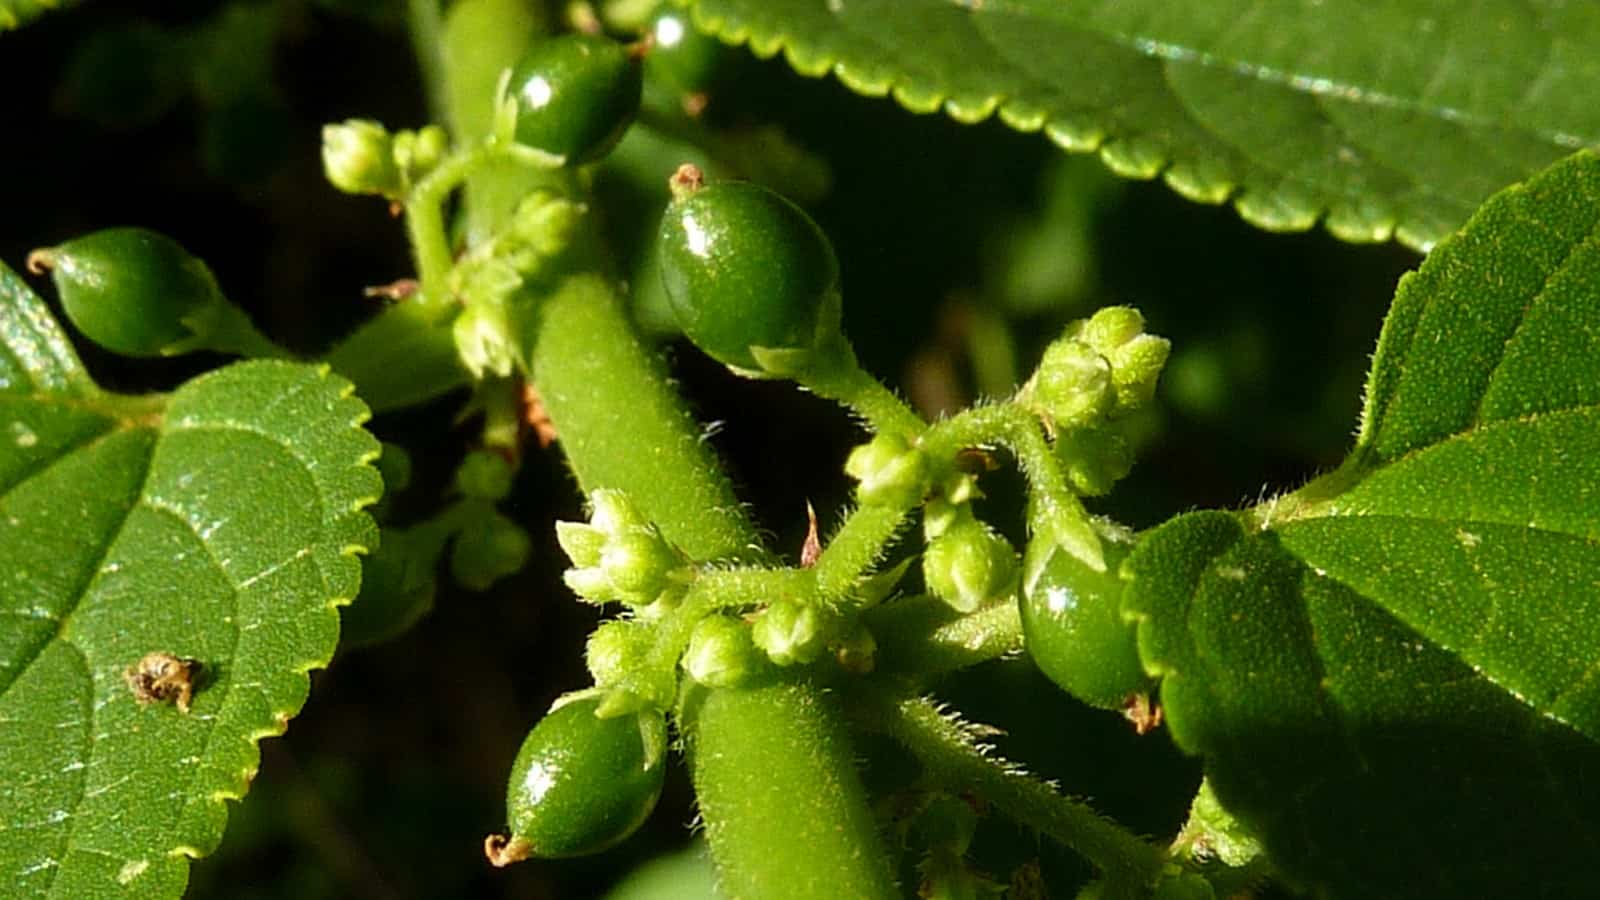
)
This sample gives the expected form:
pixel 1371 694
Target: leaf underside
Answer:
pixel 216 524
pixel 1380 119
pixel 1394 673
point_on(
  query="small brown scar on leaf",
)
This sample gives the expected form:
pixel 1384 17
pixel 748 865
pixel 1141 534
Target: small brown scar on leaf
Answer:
pixel 811 547
pixel 401 289
pixel 160 676
pixel 537 417
pixel 1145 716
pixel 694 104
pixel 502 851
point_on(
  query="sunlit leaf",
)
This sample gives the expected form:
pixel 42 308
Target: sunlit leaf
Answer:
pixel 217 524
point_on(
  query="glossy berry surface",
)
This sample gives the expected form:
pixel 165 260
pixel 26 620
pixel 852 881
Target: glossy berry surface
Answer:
pixel 1072 623
pixel 581 784
pixel 745 268
pixel 575 96
pixel 129 289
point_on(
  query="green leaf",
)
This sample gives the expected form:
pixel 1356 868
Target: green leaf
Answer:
pixel 1394 673
pixel 1368 759
pixel 17 13
pixel 216 524
pixel 1382 119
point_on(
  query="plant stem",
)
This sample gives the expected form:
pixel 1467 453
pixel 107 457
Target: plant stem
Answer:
pixel 923 638
pixel 786 815
pixel 1055 505
pixel 623 426
pixel 858 543
pixel 951 756
pixel 845 382
pixel 425 25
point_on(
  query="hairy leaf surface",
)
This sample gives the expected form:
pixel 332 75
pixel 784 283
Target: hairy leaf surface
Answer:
pixel 1394 673
pixel 216 524
pixel 1394 118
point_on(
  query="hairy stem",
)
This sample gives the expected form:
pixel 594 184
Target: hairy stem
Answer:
pixel 923 638
pixel 950 754
pixel 785 812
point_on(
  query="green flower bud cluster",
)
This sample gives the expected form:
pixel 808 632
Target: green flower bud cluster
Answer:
pixel 490 329
pixel 620 557
pixel 891 471
pixel 360 156
pixel 1090 381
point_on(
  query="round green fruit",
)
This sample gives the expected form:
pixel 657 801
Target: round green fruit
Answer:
pixel 130 290
pixel 1073 626
pixel 581 783
pixel 751 279
pixel 575 96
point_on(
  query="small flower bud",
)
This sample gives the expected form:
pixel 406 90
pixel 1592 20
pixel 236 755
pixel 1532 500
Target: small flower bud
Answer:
pixel 1135 366
pixel 890 471
pixel 488 549
pixel 582 543
pixel 1110 328
pixel 969 565
pixel 721 653
pixel 484 475
pixel 789 633
pixel 1093 459
pixel 857 653
pixel 638 562
pixel 486 340
pixel 614 513
pixel 616 649
pixel 416 153
pixel 358 158
pixel 1073 385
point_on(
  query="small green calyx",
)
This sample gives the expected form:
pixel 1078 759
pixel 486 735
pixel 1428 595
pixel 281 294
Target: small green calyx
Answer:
pixel 358 158
pixel 575 95
pixel 751 279
pixel 619 556
pixel 581 783
pixel 722 653
pixel 790 633
pixel 1072 385
pixel 139 293
pixel 890 470
pixel 968 564
pixel 487 338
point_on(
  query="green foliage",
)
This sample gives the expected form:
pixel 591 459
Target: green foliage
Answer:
pixel 1416 621
pixel 1387 675
pixel 216 524
pixel 1373 118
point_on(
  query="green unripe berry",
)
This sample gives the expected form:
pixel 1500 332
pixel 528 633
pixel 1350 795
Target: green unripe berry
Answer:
pixel 680 56
pixel 751 279
pixel 575 96
pixel 580 783
pixel 130 290
pixel 1073 626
